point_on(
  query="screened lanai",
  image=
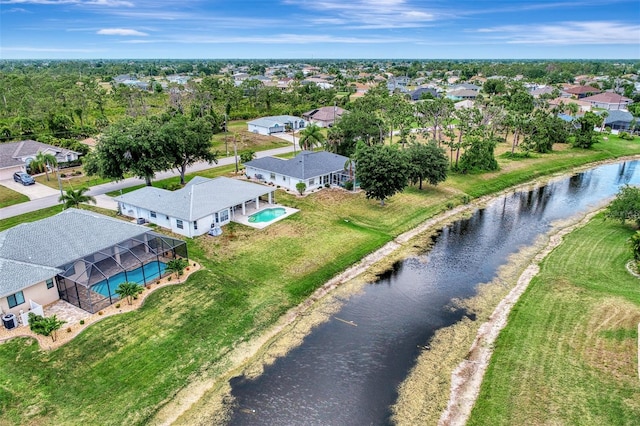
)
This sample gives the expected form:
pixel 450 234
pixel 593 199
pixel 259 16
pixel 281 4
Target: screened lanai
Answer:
pixel 91 281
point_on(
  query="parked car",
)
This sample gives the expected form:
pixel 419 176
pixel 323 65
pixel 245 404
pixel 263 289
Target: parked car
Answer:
pixel 23 178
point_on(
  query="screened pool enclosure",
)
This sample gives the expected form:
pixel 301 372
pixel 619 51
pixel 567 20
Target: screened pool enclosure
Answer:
pixel 90 282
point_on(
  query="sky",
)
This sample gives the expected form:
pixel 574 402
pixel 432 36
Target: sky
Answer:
pixel 317 29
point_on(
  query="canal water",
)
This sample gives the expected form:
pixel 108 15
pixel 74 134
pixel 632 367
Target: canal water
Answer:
pixel 347 375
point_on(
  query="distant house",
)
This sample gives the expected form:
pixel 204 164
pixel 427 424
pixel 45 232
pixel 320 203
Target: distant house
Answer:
pixel 324 116
pixel 417 94
pixel 315 169
pixel 275 124
pixel 581 91
pixel 16 156
pixel 543 90
pixel 608 100
pixel 466 86
pixel 192 210
pixel 93 254
pixel 459 95
pixel 618 120
pixel 467 103
pixel 563 102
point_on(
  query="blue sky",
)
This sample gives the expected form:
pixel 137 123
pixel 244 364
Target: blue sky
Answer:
pixel 422 29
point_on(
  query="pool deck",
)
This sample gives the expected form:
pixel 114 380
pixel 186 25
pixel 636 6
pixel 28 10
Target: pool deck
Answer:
pixel 244 219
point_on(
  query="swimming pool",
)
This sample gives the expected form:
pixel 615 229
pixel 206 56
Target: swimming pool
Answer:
pixel 267 215
pixel 151 271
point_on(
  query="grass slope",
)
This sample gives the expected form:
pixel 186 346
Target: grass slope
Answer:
pixel 568 354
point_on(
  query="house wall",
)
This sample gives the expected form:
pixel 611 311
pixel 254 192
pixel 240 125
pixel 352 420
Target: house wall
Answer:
pixel 609 106
pixel 39 293
pixel 287 182
pixel 259 129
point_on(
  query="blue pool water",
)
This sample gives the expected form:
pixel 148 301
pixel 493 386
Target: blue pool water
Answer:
pixel 267 215
pixel 151 270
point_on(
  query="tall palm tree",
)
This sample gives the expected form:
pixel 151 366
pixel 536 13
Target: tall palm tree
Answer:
pixel 42 162
pixel 310 137
pixel 73 198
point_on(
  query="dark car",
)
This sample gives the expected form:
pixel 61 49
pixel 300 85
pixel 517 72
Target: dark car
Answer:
pixel 23 178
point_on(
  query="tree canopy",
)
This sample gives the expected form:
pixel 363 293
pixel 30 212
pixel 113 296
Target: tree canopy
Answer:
pixel 382 170
pixel 626 205
pixel 427 162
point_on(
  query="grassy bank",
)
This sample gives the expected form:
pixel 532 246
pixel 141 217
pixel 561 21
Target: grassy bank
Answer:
pixel 569 352
pixel 123 369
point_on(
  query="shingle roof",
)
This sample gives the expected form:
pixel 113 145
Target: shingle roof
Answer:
pixel 607 97
pixel 305 165
pixel 326 113
pixel 617 115
pixel 11 153
pixel 580 90
pixel 199 198
pixel 31 252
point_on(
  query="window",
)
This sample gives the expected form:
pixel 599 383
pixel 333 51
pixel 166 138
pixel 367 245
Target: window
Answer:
pixel 179 224
pixel 195 224
pixel 312 182
pixel 224 216
pixel 50 283
pixel 272 176
pixel 284 178
pixel 15 299
pixel 152 214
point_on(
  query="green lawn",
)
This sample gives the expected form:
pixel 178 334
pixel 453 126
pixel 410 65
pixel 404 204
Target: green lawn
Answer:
pixel 569 352
pixel 123 369
pixel 9 197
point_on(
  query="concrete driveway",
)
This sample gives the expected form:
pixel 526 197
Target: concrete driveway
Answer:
pixel 34 192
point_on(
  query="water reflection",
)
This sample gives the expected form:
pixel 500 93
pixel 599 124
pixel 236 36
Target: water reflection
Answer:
pixel 347 373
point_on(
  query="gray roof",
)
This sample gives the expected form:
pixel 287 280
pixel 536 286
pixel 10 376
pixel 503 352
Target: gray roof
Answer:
pixel 305 165
pixel 618 115
pixel 11 153
pixel 280 120
pixel 199 198
pixel 41 247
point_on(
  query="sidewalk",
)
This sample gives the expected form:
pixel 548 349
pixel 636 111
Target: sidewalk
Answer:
pixel 105 201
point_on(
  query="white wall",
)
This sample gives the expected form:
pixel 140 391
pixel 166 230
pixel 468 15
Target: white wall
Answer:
pixel 39 293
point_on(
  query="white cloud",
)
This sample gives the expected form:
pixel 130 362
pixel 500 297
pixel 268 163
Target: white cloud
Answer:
pixel 567 33
pixel 110 3
pixel 275 39
pixel 120 32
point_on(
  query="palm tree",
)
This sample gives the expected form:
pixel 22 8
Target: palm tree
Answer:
pixel 42 162
pixel 73 198
pixel 129 290
pixel 176 266
pixel 310 137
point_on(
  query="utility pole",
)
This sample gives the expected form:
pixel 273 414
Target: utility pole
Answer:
pixel 235 152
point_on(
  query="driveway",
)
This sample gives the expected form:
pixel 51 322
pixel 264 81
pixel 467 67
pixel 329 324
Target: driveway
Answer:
pixel 34 192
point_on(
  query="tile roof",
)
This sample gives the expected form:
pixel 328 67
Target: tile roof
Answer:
pixel 199 198
pixel 305 165
pixel 607 97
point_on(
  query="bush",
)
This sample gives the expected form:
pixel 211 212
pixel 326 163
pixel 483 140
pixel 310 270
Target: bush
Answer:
pixel 81 322
pixel 626 136
pixel 348 185
pixel 301 187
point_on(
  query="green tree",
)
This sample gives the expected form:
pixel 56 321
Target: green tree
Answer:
pixel 129 290
pixel 634 245
pixel 187 142
pixel 479 156
pixel 301 187
pixel 310 137
pixel 177 266
pixel 43 162
pixel 585 135
pixel 247 156
pixel 428 162
pixel 73 198
pixel 45 326
pixel 382 170
pixel 626 205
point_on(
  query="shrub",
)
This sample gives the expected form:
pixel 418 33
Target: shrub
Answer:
pixel 117 305
pixel 81 322
pixel 63 175
pixel 466 199
pixel 348 185
pixel 450 205
pixel 626 136
pixel 301 187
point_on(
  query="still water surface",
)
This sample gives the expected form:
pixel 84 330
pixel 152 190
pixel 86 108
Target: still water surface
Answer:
pixel 346 375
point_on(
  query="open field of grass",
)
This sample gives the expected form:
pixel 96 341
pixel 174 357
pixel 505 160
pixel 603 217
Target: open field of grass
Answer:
pixel 9 197
pixel 569 352
pixel 125 368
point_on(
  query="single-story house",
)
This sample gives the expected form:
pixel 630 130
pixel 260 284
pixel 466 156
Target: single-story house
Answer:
pixel 564 102
pixel 417 94
pixel 608 100
pixel 315 169
pixel 16 156
pixel 467 103
pixel 79 256
pixel 196 208
pixel 462 94
pixel 325 116
pixel 618 120
pixel 581 91
pixel 275 124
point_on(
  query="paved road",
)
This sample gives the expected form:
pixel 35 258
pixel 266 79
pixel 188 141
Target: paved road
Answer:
pixel 105 201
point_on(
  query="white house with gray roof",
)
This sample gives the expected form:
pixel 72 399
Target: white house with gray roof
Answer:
pixel 192 210
pixel 78 256
pixel 315 169
pixel 275 124
pixel 16 156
